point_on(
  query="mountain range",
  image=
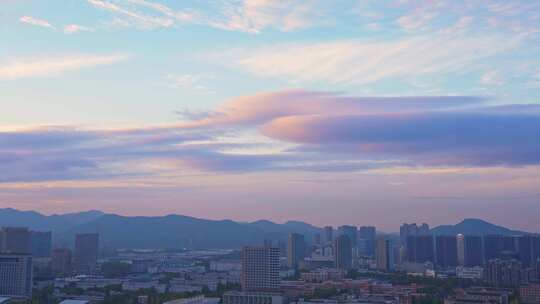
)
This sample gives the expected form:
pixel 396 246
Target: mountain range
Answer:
pixel 178 231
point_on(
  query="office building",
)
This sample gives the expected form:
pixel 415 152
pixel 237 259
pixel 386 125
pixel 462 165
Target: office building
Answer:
pixel 260 269
pixel 61 262
pixel 446 251
pixel 342 252
pixel 296 250
pixel 420 249
pixel 328 234
pixel 16 275
pixel 41 243
pixel 473 251
pixel 385 254
pixel 367 235
pixel 351 232
pixel 86 252
pixel 16 240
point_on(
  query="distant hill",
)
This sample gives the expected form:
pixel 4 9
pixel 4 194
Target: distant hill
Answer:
pixel 171 231
pixel 474 227
pixel 38 221
pixel 178 231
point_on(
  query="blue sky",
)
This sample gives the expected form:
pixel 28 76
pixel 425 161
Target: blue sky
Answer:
pixel 184 103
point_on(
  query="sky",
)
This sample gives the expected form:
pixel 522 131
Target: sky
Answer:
pixel 371 112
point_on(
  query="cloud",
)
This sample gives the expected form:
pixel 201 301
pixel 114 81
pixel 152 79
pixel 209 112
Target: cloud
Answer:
pixel 428 130
pixel 187 81
pixel 451 138
pixel 250 16
pixel 263 107
pixel 492 77
pixel 362 62
pixel 42 67
pixel 35 21
pixel 253 16
pixel 293 130
pixel 75 28
pixel 139 20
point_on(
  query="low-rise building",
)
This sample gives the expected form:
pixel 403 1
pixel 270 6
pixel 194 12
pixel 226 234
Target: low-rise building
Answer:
pixel 530 294
pixel 473 273
pixel 237 297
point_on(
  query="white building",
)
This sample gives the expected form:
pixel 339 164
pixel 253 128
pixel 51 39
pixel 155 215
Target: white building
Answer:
pixel 195 300
pixel 474 273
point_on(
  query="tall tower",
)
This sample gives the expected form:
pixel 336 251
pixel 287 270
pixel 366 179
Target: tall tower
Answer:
pixel 461 249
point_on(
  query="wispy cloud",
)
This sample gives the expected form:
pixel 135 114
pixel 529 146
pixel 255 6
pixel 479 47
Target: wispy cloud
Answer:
pixel 35 21
pixel 250 16
pixel 187 81
pixel 139 20
pixel 362 62
pixel 76 28
pixel 51 66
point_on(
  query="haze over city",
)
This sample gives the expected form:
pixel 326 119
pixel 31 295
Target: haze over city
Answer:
pixel 327 112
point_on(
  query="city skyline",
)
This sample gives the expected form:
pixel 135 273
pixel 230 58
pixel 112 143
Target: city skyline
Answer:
pixel 362 113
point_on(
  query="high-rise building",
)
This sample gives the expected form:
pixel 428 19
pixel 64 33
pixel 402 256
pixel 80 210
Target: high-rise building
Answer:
pixel 461 249
pixel 503 273
pixel 61 261
pixel 351 232
pixel 493 244
pixel 473 251
pixel 384 254
pixel 446 251
pixel 317 239
pixel 16 275
pixel 367 234
pixel 86 252
pixel 343 252
pixel 296 250
pixel 41 244
pixel 509 243
pixel 260 269
pixel 328 234
pixel 16 240
pixel 420 249
pixel 524 250
pixel 535 254
pixel 407 230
